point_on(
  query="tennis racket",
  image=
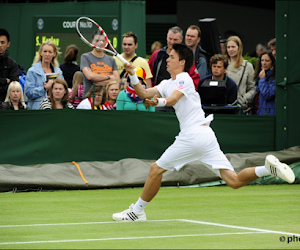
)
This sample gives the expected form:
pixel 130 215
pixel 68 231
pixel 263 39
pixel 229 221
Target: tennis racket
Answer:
pixel 89 32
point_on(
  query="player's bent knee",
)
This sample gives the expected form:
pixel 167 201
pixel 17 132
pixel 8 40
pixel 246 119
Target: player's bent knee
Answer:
pixel 230 178
pixel 155 170
pixel 234 185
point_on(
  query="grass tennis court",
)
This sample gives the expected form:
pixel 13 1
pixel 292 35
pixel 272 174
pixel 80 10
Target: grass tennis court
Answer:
pixel 253 217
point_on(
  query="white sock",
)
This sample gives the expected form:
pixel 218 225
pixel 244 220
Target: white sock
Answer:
pixel 262 171
pixel 140 205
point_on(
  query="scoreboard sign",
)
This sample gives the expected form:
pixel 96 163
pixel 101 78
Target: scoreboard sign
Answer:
pixel 62 31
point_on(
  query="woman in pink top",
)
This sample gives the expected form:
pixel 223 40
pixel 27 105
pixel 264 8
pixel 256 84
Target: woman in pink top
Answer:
pixel 77 89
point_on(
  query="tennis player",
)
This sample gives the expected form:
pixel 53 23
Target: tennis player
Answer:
pixel 196 140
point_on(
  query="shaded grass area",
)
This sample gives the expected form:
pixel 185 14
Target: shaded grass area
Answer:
pixel 270 207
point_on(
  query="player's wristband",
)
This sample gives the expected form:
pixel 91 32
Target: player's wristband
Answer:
pixel 161 102
pixel 134 79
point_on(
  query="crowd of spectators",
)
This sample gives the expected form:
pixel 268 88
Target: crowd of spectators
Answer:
pixel 100 83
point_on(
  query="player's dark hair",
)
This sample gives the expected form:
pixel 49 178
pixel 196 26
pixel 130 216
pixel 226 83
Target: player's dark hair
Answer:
pixel 131 34
pixel 185 53
pixel 218 57
pixel 4 32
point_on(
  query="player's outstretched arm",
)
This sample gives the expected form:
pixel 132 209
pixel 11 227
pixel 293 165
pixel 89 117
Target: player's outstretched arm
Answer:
pixel 136 83
pixel 174 98
pixel 168 101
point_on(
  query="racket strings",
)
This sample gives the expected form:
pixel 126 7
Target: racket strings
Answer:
pixel 90 32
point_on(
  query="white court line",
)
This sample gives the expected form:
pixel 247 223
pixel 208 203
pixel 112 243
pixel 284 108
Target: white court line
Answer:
pixel 257 231
pixel 78 223
pixel 184 220
pixel 58 224
pixel 238 227
pixel 125 238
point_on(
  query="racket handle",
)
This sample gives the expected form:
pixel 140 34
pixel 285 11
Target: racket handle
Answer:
pixel 121 58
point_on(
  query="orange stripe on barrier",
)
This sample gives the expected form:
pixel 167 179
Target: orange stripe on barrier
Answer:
pixel 78 168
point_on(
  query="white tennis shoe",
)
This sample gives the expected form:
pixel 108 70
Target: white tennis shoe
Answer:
pixel 279 169
pixel 129 215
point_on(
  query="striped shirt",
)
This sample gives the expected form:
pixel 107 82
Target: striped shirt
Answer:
pixel 46 104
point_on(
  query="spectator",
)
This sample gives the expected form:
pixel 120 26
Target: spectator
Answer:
pixel 96 66
pixel 69 66
pixel 129 45
pixel 264 97
pixel 222 43
pixel 112 91
pixel 260 49
pixel 98 98
pixel 14 97
pixel 129 100
pixel 158 63
pixel 9 69
pixel 239 70
pixel 37 85
pixel 58 96
pixel 76 94
pixel 156 46
pixel 219 65
pixel 272 46
pixel 192 40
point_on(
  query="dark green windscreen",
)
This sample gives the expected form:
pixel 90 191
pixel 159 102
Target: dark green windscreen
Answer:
pixel 55 136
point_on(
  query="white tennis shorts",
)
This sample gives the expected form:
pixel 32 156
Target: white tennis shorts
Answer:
pixel 197 146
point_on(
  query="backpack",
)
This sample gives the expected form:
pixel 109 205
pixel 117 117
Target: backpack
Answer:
pixel 22 77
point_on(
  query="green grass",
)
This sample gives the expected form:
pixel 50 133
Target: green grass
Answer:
pixel 270 207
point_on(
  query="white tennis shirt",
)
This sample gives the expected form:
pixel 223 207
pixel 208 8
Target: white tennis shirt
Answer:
pixel 188 109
